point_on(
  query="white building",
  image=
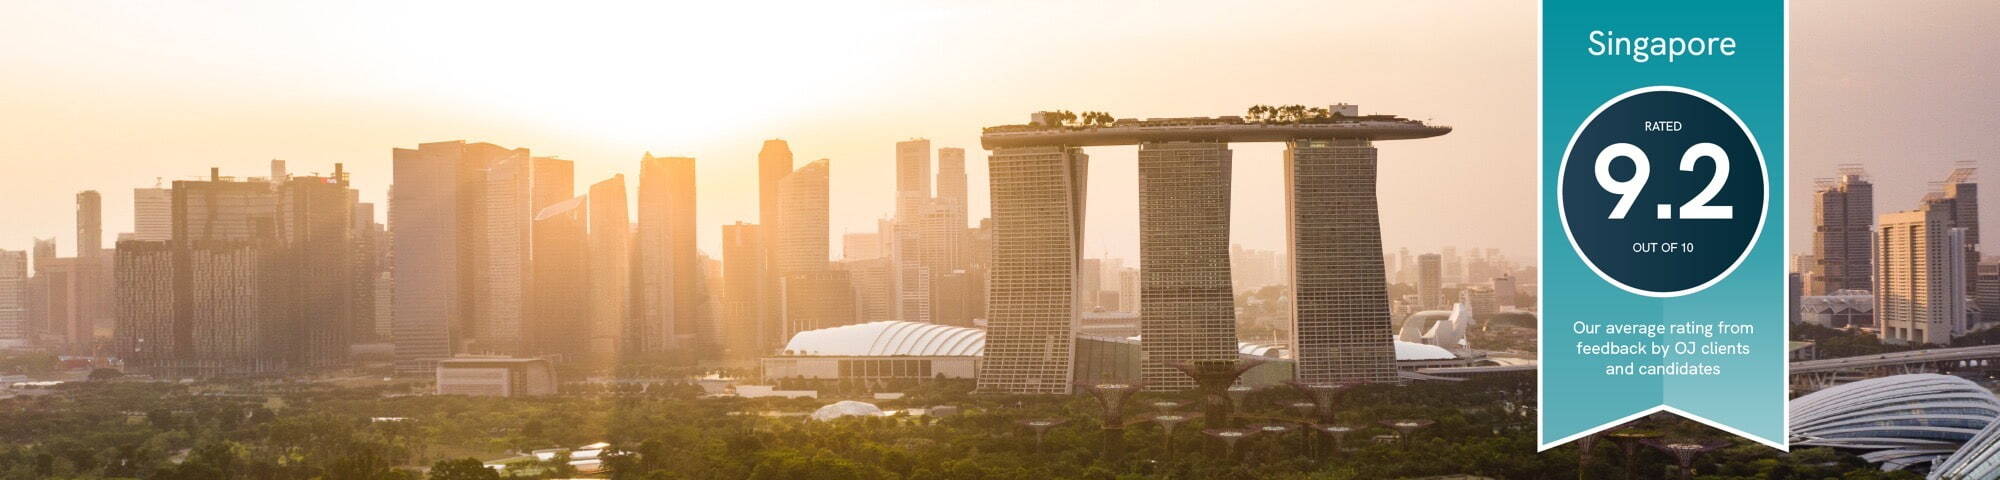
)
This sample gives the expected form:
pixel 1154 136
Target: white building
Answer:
pixel 1920 277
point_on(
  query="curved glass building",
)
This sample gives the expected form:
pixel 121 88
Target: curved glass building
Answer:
pixel 1978 459
pixel 1897 421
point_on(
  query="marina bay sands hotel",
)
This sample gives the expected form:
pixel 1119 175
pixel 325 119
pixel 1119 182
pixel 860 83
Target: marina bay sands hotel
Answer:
pixel 1340 318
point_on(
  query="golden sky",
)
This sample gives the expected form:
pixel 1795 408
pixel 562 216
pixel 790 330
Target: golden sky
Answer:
pixel 110 96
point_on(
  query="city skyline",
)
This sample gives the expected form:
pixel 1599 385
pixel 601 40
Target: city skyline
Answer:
pixel 852 118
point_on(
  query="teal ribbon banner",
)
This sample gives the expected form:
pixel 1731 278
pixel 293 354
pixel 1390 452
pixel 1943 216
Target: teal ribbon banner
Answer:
pixel 1663 216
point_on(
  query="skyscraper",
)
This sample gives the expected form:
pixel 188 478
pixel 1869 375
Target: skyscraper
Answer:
pixel 815 300
pixel 13 298
pixel 554 182
pixel 92 295
pixel 913 194
pixel 670 301
pixel 1988 296
pixel 1919 277
pixel 1038 212
pixel 874 285
pixel 558 323
pixel 314 282
pixel 1340 311
pixel 1843 211
pixel 436 213
pixel 802 234
pixel 1186 299
pixel 501 272
pixel 860 246
pixel 951 197
pixel 774 163
pixel 89 224
pixel 610 269
pixel 748 325
pixel 1430 295
pixel 148 339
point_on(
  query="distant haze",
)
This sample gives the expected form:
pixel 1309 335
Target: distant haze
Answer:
pixel 111 96
pixel 1906 93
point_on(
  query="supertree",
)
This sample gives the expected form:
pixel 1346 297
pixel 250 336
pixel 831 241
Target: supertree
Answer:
pixel 1229 437
pixel 1167 421
pixel 1628 440
pixel 1212 381
pixel 1276 431
pixel 1584 447
pixel 1321 395
pixel 1684 451
pixel 1040 426
pixel 1338 432
pixel 1112 396
pixel 1406 427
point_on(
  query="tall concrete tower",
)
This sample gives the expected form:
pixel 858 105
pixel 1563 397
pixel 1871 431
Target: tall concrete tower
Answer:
pixel 1038 208
pixel 1187 307
pixel 1340 306
pixel 670 300
pixel 1843 214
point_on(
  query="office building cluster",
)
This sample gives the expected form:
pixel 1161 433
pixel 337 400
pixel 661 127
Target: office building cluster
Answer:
pixel 1910 277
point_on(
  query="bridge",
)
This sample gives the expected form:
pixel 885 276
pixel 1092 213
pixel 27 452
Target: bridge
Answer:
pixel 1808 375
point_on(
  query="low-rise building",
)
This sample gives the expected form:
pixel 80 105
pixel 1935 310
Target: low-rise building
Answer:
pixel 495 376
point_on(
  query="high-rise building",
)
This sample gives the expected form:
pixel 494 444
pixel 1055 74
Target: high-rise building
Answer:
pixel 1479 300
pixel 670 301
pixel 748 325
pixel 501 272
pixel 1128 290
pixel 92 270
pixel 610 270
pixel 874 286
pixel 860 246
pixel 558 322
pixel 149 339
pixel 1504 290
pixel 1430 283
pixel 1959 198
pixel 152 214
pixel 1843 211
pixel 438 235
pixel 1089 281
pixel 1919 277
pixel 13 298
pixel 1340 319
pixel 89 224
pixel 1988 296
pixel 1186 299
pixel 913 195
pixel 1038 212
pixel 774 163
pixel 815 300
pixel 949 230
pixel 314 280
pixel 803 219
pixel 1453 269
pixel 554 182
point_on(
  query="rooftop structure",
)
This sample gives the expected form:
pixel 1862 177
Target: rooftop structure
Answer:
pixel 1132 131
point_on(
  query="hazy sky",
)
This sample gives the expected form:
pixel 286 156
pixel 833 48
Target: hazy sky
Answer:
pixel 111 96
pixel 1904 92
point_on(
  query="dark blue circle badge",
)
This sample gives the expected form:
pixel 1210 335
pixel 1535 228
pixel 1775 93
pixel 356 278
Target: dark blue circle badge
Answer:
pixel 1662 191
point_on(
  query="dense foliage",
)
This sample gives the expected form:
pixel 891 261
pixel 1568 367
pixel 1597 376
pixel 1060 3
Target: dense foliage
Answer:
pixel 126 429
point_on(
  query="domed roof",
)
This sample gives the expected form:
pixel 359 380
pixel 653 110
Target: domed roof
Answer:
pixel 889 338
pixel 1898 420
pixel 846 408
